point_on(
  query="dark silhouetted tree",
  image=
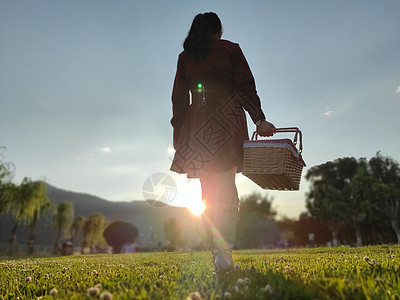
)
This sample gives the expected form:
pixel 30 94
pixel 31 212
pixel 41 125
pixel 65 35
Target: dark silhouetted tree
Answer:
pixel 385 172
pixel 173 232
pixel 119 233
pixel 43 206
pixel 356 194
pixel 93 230
pixel 328 198
pixel 7 170
pixel 306 225
pixel 63 215
pixel 24 202
pixel 359 200
pixel 256 226
pixel 76 227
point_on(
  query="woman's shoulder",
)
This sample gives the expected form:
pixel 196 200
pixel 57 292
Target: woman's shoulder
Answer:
pixel 228 43
pixel 229 46
pixel 183 56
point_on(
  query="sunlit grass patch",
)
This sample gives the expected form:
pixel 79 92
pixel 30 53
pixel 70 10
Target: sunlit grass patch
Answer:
pixel 320 273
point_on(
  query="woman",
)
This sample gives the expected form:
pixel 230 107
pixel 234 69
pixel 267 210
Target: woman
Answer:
pixel 213 85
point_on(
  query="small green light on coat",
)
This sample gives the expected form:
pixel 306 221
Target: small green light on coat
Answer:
pixel 199 85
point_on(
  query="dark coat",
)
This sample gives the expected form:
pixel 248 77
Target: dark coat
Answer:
pixel 208 117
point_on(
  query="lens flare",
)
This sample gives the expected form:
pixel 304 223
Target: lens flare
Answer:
pixel 197 208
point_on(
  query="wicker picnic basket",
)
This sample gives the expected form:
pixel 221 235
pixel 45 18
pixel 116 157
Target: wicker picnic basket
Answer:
pixel 274 164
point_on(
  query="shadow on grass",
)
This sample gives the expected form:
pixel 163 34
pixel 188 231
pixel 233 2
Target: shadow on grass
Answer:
pixel 264 284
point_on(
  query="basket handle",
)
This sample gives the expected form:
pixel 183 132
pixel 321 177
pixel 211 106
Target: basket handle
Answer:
pixel 286 129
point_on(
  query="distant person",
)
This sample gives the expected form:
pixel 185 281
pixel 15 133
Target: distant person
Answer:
pixel 311 237
pixel 128 248
pixel 213 84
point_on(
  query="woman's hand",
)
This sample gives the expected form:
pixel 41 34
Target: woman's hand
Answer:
pixel 266 129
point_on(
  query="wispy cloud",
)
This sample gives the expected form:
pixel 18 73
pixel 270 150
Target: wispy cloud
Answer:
pixel 84 157
pixel 338 107
pixel 398 90
pixel 329 112
pixel 106 150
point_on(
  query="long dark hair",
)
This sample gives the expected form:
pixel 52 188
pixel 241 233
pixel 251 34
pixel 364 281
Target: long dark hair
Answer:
pixel 204 27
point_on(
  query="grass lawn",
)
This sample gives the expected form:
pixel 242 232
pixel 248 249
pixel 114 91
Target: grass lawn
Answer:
pixel 320 273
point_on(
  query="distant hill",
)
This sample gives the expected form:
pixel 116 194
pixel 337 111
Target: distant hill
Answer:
pixel 147 218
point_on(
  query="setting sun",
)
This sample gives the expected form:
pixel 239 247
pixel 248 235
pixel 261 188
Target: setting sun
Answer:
pixel 189 195
pixel 197 207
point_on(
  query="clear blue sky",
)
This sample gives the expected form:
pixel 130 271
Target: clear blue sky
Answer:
pixel 85 86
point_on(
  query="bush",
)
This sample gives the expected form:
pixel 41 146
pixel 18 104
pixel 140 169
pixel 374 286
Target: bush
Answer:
pixel 120 233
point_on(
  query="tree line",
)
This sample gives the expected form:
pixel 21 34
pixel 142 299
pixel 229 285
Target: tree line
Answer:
pixel 93 232
pixel 350 201
pixel 358 195
pixel 28 202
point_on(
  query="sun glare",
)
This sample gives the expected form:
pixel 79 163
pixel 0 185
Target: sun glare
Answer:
pixel 171 150
pixel 189 195
pixel 197 207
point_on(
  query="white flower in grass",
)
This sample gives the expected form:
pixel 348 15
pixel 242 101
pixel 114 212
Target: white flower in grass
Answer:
pixel 246 281
pixel 53 292
pixel 227 295
pixel 106 296
pixel 194 296
pixel 28 279
pixel 268 289
pixel 93 292
pixel 366 258
pixel 239 282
